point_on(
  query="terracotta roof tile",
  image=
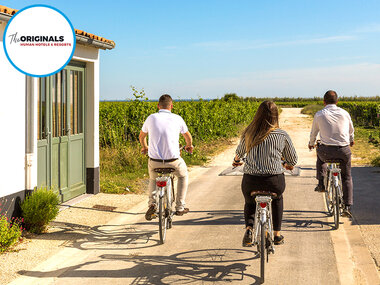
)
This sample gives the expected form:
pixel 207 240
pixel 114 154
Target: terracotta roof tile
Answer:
pixel 9 11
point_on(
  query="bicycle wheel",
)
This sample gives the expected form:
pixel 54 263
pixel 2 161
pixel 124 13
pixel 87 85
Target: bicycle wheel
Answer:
pixel 262 252
pixel 329 199
pixel 169 210
pixel 336 206
pixel 162 218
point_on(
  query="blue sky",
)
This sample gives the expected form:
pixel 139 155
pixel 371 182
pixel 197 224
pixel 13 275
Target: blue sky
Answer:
pixel 202 48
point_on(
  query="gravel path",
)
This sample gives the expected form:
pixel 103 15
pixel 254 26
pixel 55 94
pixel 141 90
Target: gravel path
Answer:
pixel 71 225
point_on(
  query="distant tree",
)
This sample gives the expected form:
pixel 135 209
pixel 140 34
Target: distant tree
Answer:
pixel 231 97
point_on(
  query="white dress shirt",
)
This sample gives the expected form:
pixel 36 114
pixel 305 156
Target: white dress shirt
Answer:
pixel 163 129
pixel 334 126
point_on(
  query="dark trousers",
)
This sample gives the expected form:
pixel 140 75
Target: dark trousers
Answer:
pixel 342 153
pixel 273 183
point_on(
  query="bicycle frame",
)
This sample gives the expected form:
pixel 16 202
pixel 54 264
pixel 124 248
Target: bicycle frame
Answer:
pixel 334 176
pixel 263 216
pixel 334 192
pixel 165 181
pixel 164 187
pixel 165 198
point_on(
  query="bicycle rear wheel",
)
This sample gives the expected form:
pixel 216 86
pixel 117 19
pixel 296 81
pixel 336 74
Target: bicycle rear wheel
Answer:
pixel 336 206
pixel 162 218
pixel 329 200
pixel 262 252
pixel 169 209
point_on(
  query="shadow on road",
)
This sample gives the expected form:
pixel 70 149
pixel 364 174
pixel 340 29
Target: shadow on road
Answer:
pixel 198 266
pixel 366 208
pixel 104 237
pixel 305 221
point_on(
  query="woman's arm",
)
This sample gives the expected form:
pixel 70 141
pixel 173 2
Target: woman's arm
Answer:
pixel 240 152
pixel 289 153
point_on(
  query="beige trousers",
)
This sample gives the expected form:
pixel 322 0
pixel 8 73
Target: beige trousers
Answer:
pixel 180 172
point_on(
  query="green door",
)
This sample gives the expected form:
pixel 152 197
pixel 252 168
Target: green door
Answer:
pixel 60 147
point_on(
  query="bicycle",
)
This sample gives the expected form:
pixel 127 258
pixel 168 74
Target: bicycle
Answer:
pixel 333 190
pixel 166 197
pixel 263 226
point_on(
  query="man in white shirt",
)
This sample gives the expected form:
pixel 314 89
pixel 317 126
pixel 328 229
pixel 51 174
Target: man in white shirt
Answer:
pixel 336 132
pixel 164 128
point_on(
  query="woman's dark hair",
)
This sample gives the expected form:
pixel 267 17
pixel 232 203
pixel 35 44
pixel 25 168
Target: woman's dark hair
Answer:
pixel 264 122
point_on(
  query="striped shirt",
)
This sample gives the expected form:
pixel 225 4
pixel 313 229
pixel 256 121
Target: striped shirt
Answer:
pixel 265 158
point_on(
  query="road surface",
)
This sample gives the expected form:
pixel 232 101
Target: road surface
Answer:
pixel 204 246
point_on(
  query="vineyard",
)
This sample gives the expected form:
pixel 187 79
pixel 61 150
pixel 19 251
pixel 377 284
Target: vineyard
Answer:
pixel 363 113
pixel 208 121
pixel 121 122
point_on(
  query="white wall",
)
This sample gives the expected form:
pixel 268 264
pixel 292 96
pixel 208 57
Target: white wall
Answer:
pixel 12 125
pixel 90 55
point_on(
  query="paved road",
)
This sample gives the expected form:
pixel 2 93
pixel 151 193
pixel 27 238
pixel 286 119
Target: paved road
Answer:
pixel 204 246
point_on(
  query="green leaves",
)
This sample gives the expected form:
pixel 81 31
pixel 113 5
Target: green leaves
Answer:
pixel 363 113
pixel 10 232
pixel 39 208
pixel 121 122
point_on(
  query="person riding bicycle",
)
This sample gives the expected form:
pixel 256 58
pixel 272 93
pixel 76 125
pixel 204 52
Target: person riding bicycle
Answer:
pixel 264 145
pixel 163 129
pixel 336 132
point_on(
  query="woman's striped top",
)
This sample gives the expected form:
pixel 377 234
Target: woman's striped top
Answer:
pixel 265 158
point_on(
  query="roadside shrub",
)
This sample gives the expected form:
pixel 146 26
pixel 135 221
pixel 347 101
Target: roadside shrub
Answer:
pixel 39 208
pixel 376 161
pixel 10 232
pixel 311 109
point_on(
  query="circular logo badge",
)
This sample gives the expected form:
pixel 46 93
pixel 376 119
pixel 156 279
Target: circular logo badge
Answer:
pixel 39 40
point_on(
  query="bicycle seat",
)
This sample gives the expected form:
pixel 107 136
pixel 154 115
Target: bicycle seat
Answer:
pixel 164 170
pixel 263 193
pixel 333 160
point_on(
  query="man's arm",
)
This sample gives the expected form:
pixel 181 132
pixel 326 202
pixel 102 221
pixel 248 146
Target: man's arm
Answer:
pixel 144 145
pixel 189 142
pixel 351 130
pixel 314 132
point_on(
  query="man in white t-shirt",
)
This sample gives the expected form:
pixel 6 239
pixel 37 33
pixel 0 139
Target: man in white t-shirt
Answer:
pixel 336 132
pixel 164 128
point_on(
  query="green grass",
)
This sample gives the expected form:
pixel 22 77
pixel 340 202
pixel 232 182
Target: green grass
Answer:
pixel 311 109
pixel 366 150
pixel 124 170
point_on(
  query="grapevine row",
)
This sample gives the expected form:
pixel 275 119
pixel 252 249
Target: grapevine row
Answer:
pixel 122 121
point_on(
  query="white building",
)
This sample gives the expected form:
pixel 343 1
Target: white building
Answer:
pixel 49 127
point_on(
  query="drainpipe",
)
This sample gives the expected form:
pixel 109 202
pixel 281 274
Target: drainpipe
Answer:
pixel 29 132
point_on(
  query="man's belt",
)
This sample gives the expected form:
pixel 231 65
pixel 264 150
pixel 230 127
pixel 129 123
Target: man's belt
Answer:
pixel 163 160
pixel 336 146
